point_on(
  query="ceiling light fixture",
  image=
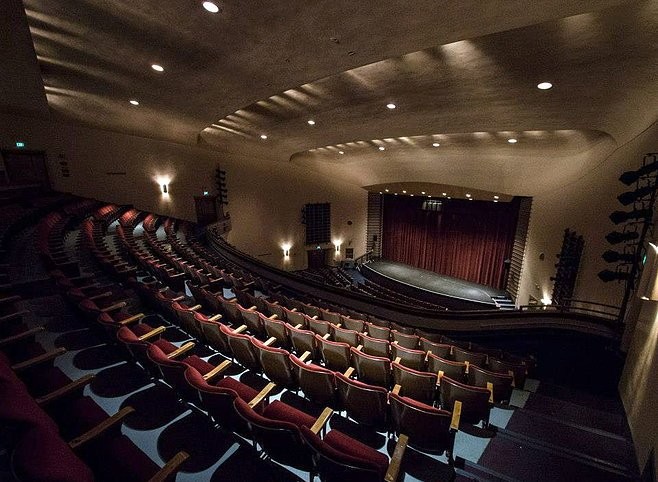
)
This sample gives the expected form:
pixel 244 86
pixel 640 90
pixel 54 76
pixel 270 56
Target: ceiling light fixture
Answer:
pixel 382 148
pixel 435 144
pixel 134 102
pixel 391 105
pixel 211 7
pixel 157 68
pixel 263 136
pixel 544 85
pixel 311 122
pixel 512 141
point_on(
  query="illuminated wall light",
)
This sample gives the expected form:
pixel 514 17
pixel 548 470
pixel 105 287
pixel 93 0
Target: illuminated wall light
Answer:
pixel 435 144
pixel 496 197
pixel 422 192
pixel 546 301
pixel 391 105
pixel 157 68
pixel 134 102
pixel 404 192
pixel 444 194
pixel 382 148
pixel 310 122
pixel 286 249
pixel 164 188
pixel 512 141
pixel 263 136
pixel 341 152
pixel 544 85
pixel 386 190
pixel 211 7
pixel 468 195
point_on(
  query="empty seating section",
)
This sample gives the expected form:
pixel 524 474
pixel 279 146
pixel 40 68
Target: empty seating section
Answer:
pixel 417 386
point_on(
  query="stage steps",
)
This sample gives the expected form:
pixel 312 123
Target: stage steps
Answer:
pixel 504 302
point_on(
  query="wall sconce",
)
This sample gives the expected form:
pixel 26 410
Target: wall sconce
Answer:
pixel 647 289
pixel 286 250
pixel 165 189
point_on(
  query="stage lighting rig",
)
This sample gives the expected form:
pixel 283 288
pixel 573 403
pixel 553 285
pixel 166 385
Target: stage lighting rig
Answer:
pixel 638 195
pixel 616 237
pixel 629 177
pixel 607 275
pixel 617 257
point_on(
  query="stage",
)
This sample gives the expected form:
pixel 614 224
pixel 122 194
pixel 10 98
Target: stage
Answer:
pixel 422 284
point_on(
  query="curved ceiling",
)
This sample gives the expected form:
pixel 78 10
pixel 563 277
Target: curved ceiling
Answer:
pixel 463 74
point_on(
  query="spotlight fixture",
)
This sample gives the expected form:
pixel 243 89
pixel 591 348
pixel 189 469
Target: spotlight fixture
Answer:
pixel 544 85
pixel 629 177
pixel 157 68
pixel 616 257
pixel 310 122
pixel 607 275
pixel 211 7
pixel 619 217
pixel 391 105
pixel 512 141
pixel 134 102
pixel 616 237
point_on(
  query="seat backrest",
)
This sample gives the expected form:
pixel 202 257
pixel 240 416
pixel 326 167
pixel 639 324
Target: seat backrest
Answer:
pixel 452 369
pixel 336 356
pixel 375 346
pixel 136 347
pixel 277 329
pixel 230 310
pixel 173 372
pixel 279 440
pixel 367 404
pixel 428 428
pixel 276 363
pixel 213 334
pixel 342 335
pixel 276 309
pixel 317 383
pixel 334 465
pixel 518 370
pixel 353 324
pixel 319 327
pixel 475 400
pixel 330 316
pixel 302 340
pixel 379 332
pixel 501 382
pixel 375 370
pixel 251 318
pixel 408 357
pixel 473 358
pixel 405 340
pixel 439 349
pixel 415 384
pixel 242 349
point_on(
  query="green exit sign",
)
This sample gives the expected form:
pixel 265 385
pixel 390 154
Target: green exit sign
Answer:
pixel 20 144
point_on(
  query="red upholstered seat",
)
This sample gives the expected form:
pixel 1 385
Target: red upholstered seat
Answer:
pixel 278 410
pixel 245 392
pixel 165 345
pixel 347 445
pixel 141 329
pixel 198 363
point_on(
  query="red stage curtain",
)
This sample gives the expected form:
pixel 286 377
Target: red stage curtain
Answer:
pixel 466 239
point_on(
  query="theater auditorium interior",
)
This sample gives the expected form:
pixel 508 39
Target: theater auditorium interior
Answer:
pixel 328 240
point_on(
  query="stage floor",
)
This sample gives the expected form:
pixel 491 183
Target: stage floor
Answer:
pixel 435 283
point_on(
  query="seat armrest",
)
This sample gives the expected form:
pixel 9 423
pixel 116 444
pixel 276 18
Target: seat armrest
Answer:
pixel 270 341
pixel 116 306
pixel 240 329
pixel 21 336
pixel 348 373
pixel 37 360
pixel 183 349
pixel 65 390
pixel 305 356
pixel 396 459
pixel 171 467
pixel 215 317
pixel 154 332
pixel 217 370
pixel 456 415
pixel 322 420
pixel 262 394
pixel 132 319
pixel 101 428
pixel 15 314
pixel 397 388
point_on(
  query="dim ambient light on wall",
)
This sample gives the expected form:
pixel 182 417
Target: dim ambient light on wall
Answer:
pixel 648 287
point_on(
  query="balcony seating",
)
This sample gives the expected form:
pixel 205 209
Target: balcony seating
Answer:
pixel 375 346
pixel 452 369
pixel 410 358
pixel 336 356
pixel 278 329
pixel 353 324
pixel 242 349
pixel 212 333
pixel 473 358
pixel 251 318
pixel 499 383
pixel 517 370
pixel 343 335
pixel 318 327
pixel 276 363
pixel 405 340
pixel 302 340
pixel 379 332
pixel 185 315
pixel 438 349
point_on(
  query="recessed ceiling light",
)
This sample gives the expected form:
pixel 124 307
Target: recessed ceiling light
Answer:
pixel 382 148
pixel 468 195
pixel 544 85
pixel 404 192
pixel 211 7
pixel 311 122
pixel 341 152
pixel 512 141
pixel 444 194
pixel 422 192
pixel 263 136
pixel 157 68
pixel 386 190
pixel 496 197
pixel 134 102
pixel 435 144
pixel 391 105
